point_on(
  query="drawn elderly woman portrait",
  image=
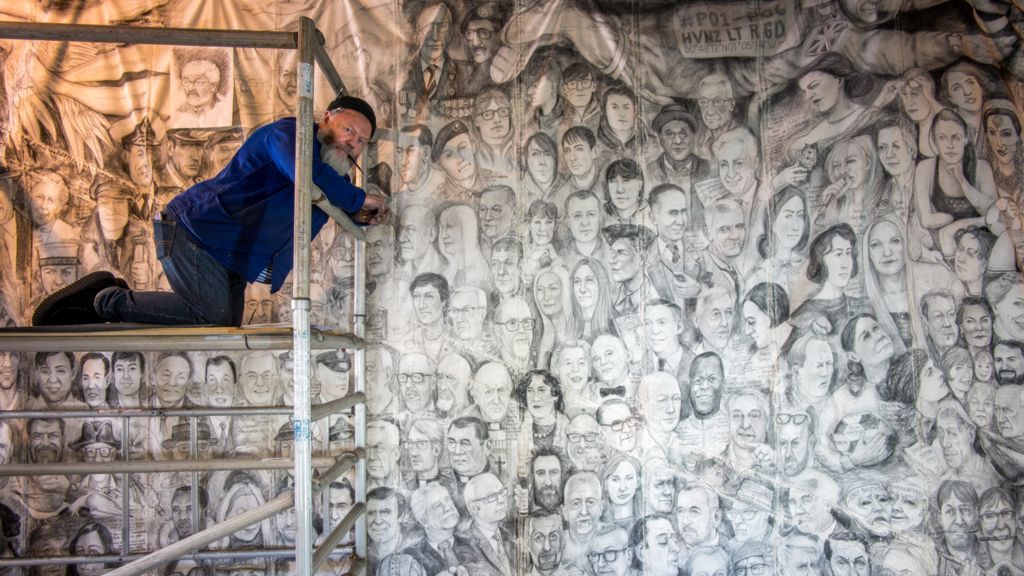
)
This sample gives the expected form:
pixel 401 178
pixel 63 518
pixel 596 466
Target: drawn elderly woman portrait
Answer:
pixel 866 508
pixel 457 240
pixel 831 266
pixel 592 310
pixel 544 422
pixel 911 517
pixel 855 193
pixel 92 539
pixel 918 102
pixel 955 189
pixel 539 167
pixel 570 362
pixel 893 280
pixel 623 498
pixel 782 243
pixel 493 130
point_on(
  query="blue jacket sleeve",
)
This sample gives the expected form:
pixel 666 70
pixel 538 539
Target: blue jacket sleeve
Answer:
pixel 339 189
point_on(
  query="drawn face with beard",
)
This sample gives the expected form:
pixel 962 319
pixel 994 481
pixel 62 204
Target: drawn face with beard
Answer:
pixel 547 482
pixel 1009 364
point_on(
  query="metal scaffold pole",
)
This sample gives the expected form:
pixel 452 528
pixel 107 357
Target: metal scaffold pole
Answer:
pixel 301 303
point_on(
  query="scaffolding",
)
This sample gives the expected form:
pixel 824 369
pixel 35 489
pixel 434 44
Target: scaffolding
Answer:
pixel 300 337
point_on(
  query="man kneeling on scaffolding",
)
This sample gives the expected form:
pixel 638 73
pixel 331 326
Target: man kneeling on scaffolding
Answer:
pixel 232 229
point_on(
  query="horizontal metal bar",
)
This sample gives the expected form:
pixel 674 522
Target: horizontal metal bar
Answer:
pixel 149 412
pixel 335 406
pixel 341 465
pixel 202 339
pixel 148 35
pixel 320 200
pixel 205 555
pixel 147 466
pixel 323 552
pixel 203 539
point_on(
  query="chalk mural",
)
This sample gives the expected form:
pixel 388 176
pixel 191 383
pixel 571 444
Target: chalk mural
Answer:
pixel 671 288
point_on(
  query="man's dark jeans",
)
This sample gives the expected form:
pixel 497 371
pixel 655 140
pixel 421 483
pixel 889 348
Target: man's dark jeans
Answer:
pixel 204 291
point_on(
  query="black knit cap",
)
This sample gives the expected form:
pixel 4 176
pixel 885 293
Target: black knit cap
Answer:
pixel 345 102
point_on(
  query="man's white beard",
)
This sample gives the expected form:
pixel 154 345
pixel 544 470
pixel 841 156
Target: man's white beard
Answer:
pixel 334 157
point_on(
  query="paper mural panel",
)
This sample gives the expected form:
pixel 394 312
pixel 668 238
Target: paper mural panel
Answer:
pixel 671 288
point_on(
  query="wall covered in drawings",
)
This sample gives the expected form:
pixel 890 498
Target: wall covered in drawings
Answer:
pixel 670 288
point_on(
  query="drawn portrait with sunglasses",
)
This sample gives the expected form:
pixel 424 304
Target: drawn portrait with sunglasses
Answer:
pixel 794 441
pixel 610 553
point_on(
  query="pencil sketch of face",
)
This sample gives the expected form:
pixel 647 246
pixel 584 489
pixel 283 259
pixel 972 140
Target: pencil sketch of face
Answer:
pixel 413 156
pixel 458 158
pixel 583 216
pixel 579 156
pixel 47 200
pixel 426 301
pixel 416 233
pixel 382 519
pixel 259 379
pixel 380 250
pixel 909 504
pixel 6 442
pixel 610 359
pixel 466 449
pixel 467 312
pixel 491 390
pixel 416 381
pixel 622 484
pixel 505 269
pixel 382 450
pixel 610 554
pixel 662 328
pixel 545 539
pixel 618 426
pixel 200 80
pixel 585 450
pixel 583 503
pixel 10 363
pixel 660 548
pixel 547 481
pixel 46 441
pixel 259 304
pixel 573 369
pixel 433 30
pixel 706 381
pixel 486 498
pixel 453 377
pixel 661 401
pixel 423 450
pixel 53 377
pixel 715 98
pixel 547 290
pixel 715 318
pixel 95 380
pixel 514 326
pixel 221 386
pixel 794 441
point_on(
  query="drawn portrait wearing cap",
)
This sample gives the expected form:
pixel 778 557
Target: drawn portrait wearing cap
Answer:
pixel 140 137
pixel 179 445
pixel 221 148
pixel 116 239
pixel 201 88
pixel 59 265
pixel 185 155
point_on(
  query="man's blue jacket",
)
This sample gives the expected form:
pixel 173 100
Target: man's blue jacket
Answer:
pixel 244 216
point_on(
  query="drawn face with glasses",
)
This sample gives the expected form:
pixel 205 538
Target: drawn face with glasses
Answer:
pixel 754 566
pixel 747 521
pixel 492 501
pixel 482 37
pixel 493 121
pixel 199 80
pixel 584 446
pixel 466 315
pixel 516 328
pixel 618 426
pixel 99 453
pixel 259 375
pixel 579 92
pixel 422 451
pixel 716 104
pixel 416 382
pixel 998 523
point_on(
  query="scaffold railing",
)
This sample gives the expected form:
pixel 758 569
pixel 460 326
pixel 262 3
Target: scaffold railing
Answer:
pixel 301 338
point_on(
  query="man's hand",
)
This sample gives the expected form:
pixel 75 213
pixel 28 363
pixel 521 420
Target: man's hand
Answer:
pixel 374 211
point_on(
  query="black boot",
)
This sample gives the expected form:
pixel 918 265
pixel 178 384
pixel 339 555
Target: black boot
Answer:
pixel 73 304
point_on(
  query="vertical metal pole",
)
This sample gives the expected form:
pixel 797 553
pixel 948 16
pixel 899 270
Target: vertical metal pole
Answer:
pixel 359 362
pixel 126 502
pixel 300 300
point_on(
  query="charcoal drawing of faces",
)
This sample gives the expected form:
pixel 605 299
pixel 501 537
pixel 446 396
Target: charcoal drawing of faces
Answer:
pixel 869 505
pixel 453 376
pixel 810 501
pixel 458 160
pixel 910 510
pixel 383 508
pixel 663 326
pixel 659 480
pixel 1009 406
pixel 514 325
pixel 173 376
pixel 380 250
pixel 737 158
pixel 707 377
pixel 670 211
pixel 221 384
pixel 610 554
pixel 572 365
pixel 658 551
pixel 496 211
pixel 585 448
pixel 491 391
pixel 610 359
pixel 53 373
pixel 545 538
pixel 468 445
pixel 794 439
pixel 380 376
pixel 547 476
pixel 382 450
pixel 716 312
pixel 416 233
pixel 413 151
pixel 583 216
pixel 10 366
pixel 48 198
pixel 94 377
pixel 583 504
pixel 486 499
pixel 416 382
pixel 661 402
pixel 466 314
pixel 506 254
pixel 618 425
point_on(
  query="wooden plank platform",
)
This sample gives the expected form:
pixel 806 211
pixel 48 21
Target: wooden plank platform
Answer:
pixel 148 338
